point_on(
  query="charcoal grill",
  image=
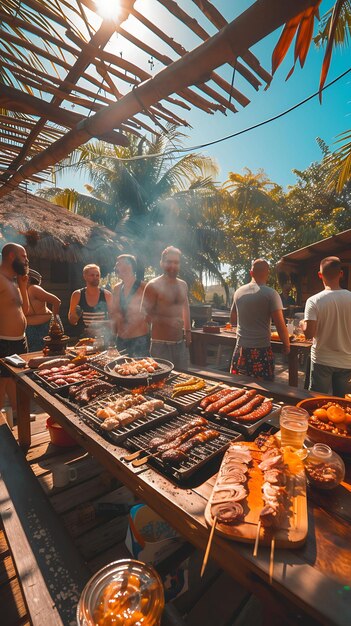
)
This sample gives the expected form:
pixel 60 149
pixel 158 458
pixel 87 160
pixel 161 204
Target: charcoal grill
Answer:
pixel 247 428
pixel 88 414
pixel 187 401
pixel 197 458
pixel 53 386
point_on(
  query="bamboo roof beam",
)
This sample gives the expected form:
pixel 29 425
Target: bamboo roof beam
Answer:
pixel 15 121
pixel 217 19
pixel 28 70
pixel 41 9
pixel 112 58
pixel 259 20
pixel 168 61
pixel 65 65
pixel 16 100
pixel 181 51
pixel 101 38
pixel 16 22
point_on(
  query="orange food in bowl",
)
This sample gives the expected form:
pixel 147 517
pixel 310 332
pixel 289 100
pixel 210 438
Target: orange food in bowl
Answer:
pixel 321 414
pixel 336 414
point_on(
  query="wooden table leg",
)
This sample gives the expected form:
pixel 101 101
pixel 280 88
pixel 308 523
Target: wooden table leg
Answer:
pixel 293 366
pixel 23 417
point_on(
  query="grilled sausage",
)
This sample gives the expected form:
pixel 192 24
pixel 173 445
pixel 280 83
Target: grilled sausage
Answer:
pixel 235 404
pixel 214 397
pixel 215 406
pixel 260 412
pixel 247 408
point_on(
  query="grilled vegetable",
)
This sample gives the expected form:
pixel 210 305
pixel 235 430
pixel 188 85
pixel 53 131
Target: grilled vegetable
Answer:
pixel 180 391
pixel 191 381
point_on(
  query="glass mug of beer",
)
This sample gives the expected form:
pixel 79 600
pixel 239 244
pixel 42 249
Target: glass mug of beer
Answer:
pixel 293 426
pixel 123 593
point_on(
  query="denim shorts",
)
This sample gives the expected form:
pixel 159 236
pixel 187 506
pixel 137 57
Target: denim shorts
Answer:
pixel 136 346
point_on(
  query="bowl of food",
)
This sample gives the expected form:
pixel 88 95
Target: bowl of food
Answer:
pixel 329 422
pixel 142 372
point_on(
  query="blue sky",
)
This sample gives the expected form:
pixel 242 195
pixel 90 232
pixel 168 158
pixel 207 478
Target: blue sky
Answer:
pixel 288 143
pixel 285 144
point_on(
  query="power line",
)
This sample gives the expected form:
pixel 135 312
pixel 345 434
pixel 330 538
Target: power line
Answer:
pixel 249 128
pixel 171 153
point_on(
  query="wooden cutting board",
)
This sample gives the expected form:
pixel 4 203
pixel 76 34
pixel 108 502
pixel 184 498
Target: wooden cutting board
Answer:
pixel 293 531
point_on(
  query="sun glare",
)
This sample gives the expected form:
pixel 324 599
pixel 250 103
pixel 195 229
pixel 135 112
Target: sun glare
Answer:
pixel 108 9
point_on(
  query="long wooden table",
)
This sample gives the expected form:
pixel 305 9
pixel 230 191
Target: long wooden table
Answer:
pixel 313 581
pixel 200 340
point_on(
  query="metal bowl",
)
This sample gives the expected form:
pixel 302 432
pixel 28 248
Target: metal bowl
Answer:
pixel 144 379
pixel 338 443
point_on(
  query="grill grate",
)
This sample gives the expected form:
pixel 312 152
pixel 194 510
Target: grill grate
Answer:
pixel 53 386
pixel 88 413
pixel 245 428
pixel 197 457
pixel 63 395
pixel 189 400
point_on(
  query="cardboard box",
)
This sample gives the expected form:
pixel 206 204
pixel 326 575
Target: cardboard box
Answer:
pixel 149 538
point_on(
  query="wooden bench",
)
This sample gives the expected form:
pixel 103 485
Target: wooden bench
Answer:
pixel 51 572
pixel 50 569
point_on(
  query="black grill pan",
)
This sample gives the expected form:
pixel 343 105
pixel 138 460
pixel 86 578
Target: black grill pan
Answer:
pixel 197 458
pixel 88 413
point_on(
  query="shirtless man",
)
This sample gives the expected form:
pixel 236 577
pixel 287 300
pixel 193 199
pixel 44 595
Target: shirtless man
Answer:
pixel 39 314
pixel 92 305
pixel 13 309
pixel 166 304
pixel 131 326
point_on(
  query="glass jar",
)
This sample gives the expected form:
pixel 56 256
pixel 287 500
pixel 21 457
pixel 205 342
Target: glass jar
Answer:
pixel 324 468
pixel 122 593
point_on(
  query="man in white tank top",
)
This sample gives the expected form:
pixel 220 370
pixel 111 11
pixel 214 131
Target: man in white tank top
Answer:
pixel 328 322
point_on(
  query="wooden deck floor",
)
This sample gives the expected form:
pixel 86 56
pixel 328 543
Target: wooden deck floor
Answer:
pixel 214 599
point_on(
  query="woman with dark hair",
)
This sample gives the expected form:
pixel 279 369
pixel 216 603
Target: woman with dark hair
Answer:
pixel 39 314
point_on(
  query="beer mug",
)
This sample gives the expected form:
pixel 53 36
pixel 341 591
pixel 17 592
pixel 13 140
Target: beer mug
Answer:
pixel 293 426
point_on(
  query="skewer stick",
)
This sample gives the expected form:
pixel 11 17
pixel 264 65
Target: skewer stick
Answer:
pixel 131 457
pixel 208 547
pixel 271 561
pixel 257 538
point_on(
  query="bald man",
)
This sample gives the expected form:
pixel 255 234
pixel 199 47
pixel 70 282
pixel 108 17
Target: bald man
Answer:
pixel 254 305
pixel 14 306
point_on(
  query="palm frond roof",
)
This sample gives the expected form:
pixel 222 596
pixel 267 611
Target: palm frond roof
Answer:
pixel 49 231
pixel 67 75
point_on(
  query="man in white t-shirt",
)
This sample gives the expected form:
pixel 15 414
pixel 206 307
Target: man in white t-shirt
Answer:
pixel 328 322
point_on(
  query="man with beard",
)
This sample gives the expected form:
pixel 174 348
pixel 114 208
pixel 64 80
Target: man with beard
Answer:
pixel 92 305
pixel 166 304
pixel 130 324
pixel 14 306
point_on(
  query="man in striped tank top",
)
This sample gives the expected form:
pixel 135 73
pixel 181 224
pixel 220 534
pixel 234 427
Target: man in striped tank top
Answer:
pixel 91 305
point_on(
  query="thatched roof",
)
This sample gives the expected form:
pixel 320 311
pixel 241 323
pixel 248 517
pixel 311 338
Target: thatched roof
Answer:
pixel 132 73
pixel 48 231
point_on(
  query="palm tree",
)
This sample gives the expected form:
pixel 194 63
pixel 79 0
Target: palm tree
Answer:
pixel 248 220
pixel 334 30
pixel 150 197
